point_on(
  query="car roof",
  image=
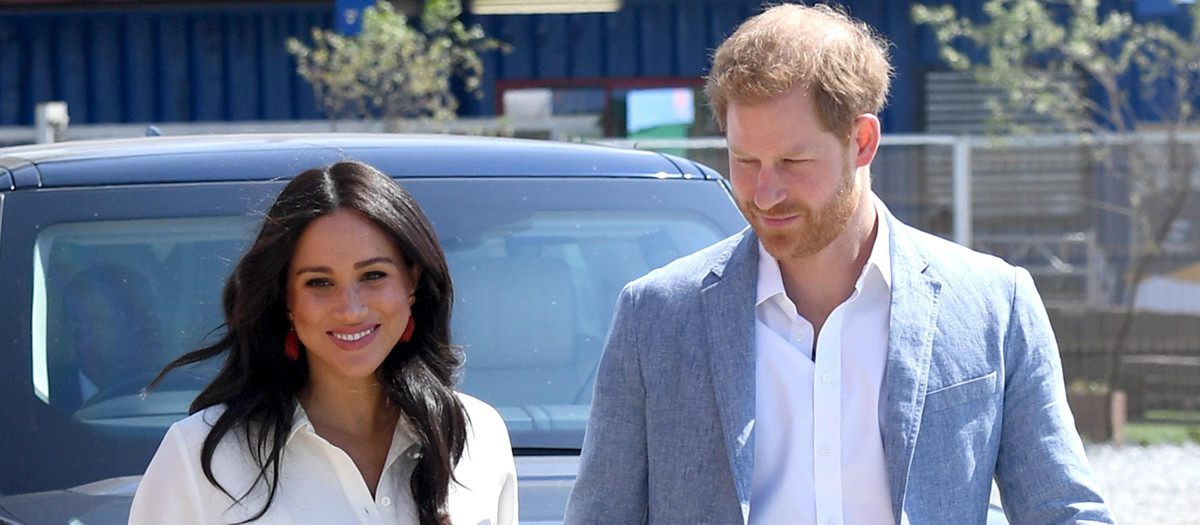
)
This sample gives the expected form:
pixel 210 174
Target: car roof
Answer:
pixel 211 158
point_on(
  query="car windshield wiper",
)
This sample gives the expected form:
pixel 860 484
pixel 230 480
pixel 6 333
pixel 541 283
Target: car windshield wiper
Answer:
pixel 545 451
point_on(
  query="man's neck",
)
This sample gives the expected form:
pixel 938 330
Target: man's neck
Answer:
pixel 820 282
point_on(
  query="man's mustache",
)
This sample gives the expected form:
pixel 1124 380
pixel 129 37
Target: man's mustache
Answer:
pixel 783 209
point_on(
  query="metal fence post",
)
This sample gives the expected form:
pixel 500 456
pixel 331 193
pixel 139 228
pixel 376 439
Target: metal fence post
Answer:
pixel 1094 271
pixel 962 190
pixel 50 121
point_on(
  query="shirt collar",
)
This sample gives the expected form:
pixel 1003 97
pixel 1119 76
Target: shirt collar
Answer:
pixel 300 422
pixel 403 439
pixel 881 253
pixel 770 280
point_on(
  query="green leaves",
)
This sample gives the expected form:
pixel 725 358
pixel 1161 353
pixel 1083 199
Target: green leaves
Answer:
pixel 395 67
pixel 1034 47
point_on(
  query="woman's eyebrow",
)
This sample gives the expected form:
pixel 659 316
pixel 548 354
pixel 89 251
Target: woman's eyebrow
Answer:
pixel 314 269
pixel 374 260
pixel 357 265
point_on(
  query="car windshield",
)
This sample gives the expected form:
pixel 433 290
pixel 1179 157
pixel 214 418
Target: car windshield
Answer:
pixel 536 265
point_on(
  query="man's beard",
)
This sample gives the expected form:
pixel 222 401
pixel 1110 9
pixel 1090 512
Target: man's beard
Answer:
pixel 812 230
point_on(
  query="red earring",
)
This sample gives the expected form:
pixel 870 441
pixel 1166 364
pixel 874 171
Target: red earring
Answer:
pixel 291 345
pixel 408 330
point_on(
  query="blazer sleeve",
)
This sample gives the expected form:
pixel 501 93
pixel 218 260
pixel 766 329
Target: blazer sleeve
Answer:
pixel 612 482
pixel 1041 471
pixel 168 491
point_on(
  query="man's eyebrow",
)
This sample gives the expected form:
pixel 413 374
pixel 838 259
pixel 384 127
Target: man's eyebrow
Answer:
pixel 798 151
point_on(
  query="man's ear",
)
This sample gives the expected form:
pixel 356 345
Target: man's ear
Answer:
pixel 864 137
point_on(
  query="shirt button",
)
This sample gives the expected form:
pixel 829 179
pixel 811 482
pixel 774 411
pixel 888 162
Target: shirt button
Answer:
pixel 386 501
pixel 799 338
pixel 825 452
pixel 827 378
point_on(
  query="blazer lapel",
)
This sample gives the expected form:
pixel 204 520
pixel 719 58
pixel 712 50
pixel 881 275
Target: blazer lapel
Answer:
pixel 728 299
pixel 914 309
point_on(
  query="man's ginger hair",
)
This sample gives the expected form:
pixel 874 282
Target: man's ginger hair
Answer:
pixel 840 60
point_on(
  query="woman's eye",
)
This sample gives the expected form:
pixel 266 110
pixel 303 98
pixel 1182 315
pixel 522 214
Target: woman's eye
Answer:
pixel 373 276
pixel 318 283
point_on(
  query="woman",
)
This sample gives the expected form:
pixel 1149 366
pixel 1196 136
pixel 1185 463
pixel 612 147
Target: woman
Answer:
pixel 336 401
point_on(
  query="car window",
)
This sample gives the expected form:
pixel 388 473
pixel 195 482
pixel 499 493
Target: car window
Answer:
pixel 118 292
pixel 114 301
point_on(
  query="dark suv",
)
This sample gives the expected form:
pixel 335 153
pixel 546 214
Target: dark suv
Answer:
pixel 113 254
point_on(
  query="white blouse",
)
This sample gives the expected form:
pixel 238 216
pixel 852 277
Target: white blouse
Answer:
pixel 318 482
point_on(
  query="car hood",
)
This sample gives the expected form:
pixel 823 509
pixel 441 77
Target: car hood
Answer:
pixel 545 482
pixel 103 502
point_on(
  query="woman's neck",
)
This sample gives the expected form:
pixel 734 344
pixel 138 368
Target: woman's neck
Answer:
pixel 355 409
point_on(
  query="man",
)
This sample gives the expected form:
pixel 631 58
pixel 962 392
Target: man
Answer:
pixel 830 364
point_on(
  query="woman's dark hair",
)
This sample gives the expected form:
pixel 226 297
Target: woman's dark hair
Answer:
pixel 258 384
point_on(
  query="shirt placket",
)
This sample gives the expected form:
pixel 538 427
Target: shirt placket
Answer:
pixel 827 420
pixel 402 458
pixel 352 483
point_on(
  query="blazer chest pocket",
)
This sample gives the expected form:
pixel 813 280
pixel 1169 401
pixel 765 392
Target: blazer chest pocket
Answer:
pixel 959 393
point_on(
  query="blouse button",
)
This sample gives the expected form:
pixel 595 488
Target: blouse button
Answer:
pixel 386 501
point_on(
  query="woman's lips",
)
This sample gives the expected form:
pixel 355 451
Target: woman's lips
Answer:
pixel 354 338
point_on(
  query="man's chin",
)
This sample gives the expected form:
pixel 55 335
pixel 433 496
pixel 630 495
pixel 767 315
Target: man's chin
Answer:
pixel 784 246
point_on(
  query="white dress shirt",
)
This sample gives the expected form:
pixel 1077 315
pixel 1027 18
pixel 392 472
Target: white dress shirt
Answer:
pixel 818 450
pixel 318 481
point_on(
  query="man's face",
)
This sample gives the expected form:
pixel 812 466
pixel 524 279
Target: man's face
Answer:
pixel 793 180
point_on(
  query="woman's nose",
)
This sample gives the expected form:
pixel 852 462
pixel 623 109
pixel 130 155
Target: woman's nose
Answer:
pixel 352 306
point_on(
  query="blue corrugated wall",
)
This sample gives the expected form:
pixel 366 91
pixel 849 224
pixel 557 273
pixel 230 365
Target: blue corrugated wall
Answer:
pixel 229 63
pixel 157 65
pixel 671 38
pixel 223 63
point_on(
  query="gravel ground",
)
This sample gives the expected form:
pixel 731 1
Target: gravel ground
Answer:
pixel 1153 485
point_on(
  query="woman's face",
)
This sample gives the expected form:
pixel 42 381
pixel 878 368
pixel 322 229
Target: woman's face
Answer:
pixel 349 293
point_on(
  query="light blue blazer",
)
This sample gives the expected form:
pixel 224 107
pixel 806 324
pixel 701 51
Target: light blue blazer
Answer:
pixel 972 391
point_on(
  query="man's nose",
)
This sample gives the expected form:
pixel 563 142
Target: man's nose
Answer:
pixel 768 188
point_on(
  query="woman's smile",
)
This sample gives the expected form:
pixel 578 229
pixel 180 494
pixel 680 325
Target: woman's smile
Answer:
pixel 354 338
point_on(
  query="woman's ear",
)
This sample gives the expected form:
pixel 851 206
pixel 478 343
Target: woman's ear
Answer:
pixel 414 276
